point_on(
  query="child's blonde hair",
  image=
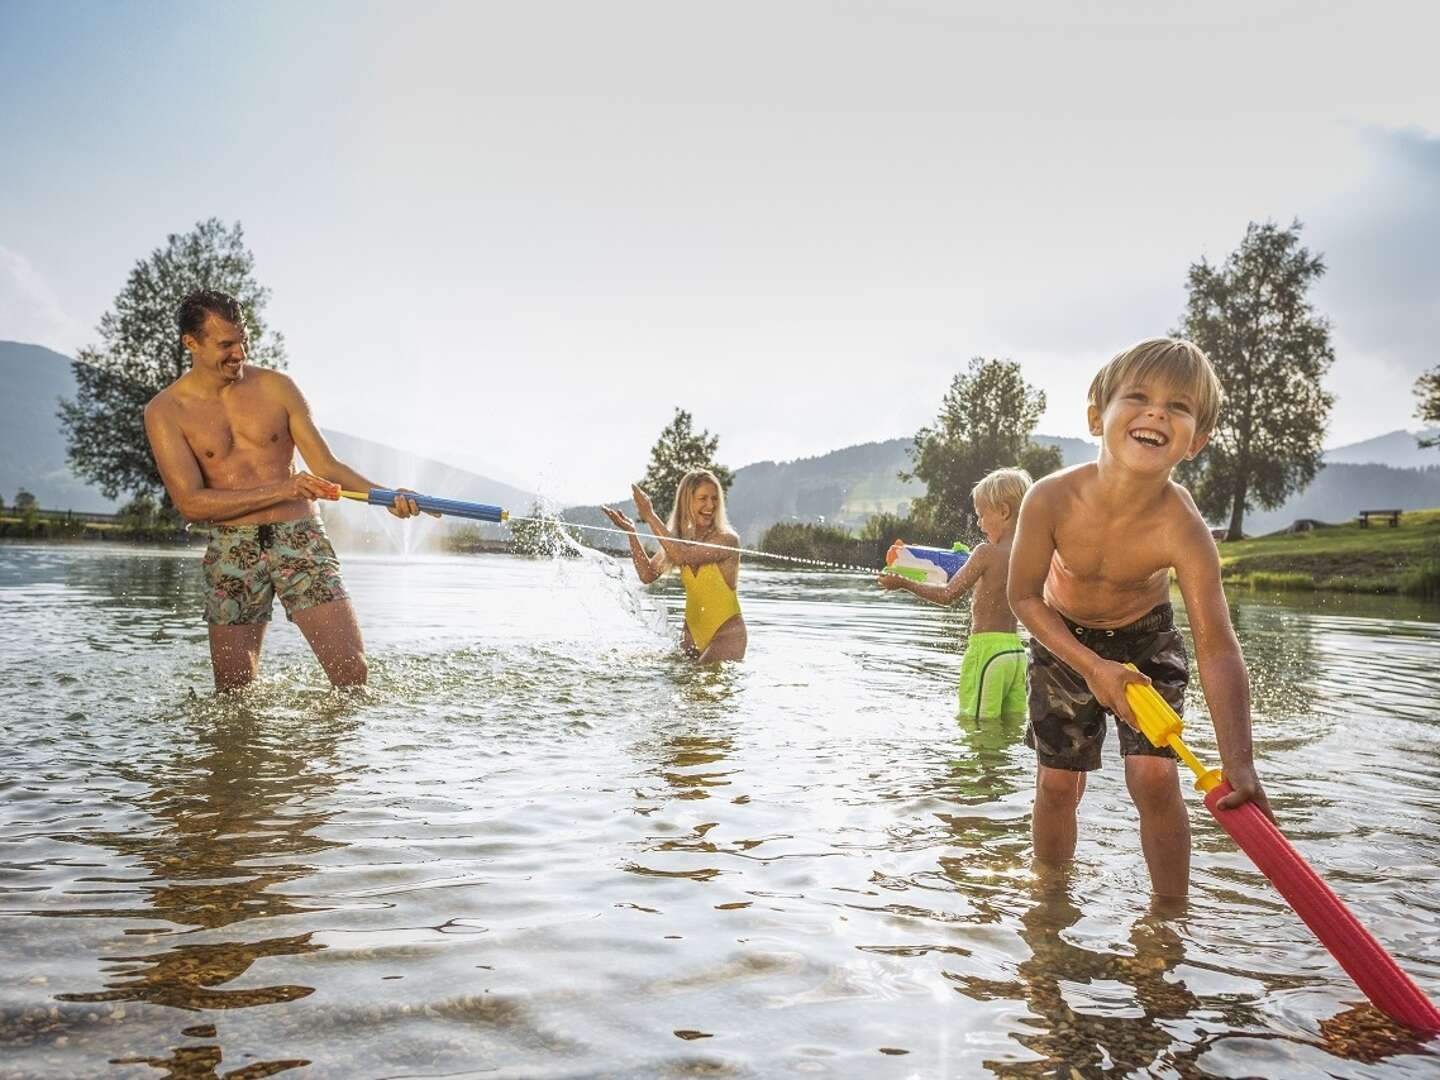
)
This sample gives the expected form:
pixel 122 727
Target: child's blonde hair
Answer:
pixel 1181 363
pixel 1003 487
pixel 682 521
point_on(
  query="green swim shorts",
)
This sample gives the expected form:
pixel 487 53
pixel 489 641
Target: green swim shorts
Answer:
pixel 247 566
pixel 992 677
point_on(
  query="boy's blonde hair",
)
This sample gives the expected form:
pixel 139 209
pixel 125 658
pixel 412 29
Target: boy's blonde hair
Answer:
pixel 1181 363
pixel 1003 487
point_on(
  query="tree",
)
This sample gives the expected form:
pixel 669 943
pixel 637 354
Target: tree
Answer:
pixel 139 513
pixel 140 353
pixel 676 452
pixel 24 500
pixel 1252 317
pixel 1427 389
pixel 985 423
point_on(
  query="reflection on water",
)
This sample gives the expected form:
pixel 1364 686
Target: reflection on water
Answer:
pixel 543 844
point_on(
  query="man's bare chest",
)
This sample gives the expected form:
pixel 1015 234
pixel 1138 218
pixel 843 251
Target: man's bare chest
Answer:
pixel 248 426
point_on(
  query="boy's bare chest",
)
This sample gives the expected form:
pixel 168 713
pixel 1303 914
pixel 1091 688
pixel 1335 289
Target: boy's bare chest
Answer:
pixel 1110 555
pixel 249 425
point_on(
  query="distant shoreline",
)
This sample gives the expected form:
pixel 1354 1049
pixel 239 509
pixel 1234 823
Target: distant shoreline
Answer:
pixel 1378 560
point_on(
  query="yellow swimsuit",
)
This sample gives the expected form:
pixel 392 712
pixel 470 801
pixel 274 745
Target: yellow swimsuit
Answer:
pixel 710 602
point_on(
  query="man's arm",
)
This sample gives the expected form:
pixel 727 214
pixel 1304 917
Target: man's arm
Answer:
pixel 312 445
pixel 965 579
pixel 317 453
pixel 183 480
pixel 1030 555
pixel 1217 654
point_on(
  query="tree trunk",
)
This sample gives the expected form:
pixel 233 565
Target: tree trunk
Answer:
pixel 1237 513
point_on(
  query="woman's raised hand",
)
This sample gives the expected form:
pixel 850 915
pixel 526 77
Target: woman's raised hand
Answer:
pixel 643 506
pixel 618 518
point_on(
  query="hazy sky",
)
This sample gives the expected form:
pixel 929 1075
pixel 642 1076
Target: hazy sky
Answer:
pixel 516 236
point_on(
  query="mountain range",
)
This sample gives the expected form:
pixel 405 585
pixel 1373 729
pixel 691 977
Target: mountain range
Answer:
pixel 843 487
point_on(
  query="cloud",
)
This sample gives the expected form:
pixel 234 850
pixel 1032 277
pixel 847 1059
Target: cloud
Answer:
pixel 1381 242
pixel 29 309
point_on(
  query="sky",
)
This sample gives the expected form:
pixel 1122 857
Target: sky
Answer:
pixel 517 236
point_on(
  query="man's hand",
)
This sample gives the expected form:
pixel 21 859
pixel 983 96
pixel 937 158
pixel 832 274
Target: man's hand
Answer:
pixel 1107 681
pixel 404 508
pixel 1247 789
pixel 306 485
pixel 618 519
pixel 890 581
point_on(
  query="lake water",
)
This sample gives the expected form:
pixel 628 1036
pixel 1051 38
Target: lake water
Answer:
pixel 542 844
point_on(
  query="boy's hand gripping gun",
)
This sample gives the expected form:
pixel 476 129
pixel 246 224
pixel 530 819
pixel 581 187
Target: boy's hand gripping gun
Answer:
pixel 927 565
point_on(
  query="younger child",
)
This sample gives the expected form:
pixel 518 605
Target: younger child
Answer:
pixel 992 675
pixel 1090 578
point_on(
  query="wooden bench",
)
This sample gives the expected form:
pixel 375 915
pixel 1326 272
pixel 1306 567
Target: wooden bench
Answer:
pixel 1392 515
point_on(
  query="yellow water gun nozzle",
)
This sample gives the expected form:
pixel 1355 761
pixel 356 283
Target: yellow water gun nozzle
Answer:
pixel 1162 726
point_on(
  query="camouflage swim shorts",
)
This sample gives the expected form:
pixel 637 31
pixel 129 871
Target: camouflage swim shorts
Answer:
pixel 247 566
pixel 1067 724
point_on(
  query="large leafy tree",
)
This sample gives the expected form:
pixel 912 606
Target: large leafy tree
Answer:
pixel 678 450
pixel 985 423
pixel 1427 389
pixel 140 353
pixel 1253 317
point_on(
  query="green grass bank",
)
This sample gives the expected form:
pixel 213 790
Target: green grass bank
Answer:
pixel 1342 558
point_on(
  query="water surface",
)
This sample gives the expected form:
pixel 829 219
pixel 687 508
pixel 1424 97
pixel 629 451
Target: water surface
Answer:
pixel 542 844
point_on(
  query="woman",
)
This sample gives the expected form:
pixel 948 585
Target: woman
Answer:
pixel 714 627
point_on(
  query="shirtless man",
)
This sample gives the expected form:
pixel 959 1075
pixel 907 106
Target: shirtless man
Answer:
pixel 224 436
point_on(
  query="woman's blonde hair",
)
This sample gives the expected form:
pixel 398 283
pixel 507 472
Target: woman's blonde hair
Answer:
pixel 682 520
pixel 1003 487
pixel 1181 363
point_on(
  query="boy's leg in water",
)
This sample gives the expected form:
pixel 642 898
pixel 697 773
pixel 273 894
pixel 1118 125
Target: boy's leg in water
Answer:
pixel 729 643
pixel 235 654
pixel 1164 822
pixel 1052 822
pixel 334 636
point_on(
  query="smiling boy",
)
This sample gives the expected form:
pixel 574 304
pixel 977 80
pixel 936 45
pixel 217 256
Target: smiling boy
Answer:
pixel 1090 578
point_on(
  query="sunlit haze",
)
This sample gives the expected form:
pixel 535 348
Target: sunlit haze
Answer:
pixel 515 237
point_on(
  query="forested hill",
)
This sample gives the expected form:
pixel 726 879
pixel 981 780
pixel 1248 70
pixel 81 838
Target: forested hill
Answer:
pixel 843 487
pixel 32 446
pixel 1340 491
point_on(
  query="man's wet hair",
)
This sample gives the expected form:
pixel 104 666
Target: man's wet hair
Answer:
pixel 201 302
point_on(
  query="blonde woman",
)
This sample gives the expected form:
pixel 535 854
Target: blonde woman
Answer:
pixel 714 627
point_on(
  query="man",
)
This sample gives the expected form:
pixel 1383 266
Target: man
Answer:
pixel 224 436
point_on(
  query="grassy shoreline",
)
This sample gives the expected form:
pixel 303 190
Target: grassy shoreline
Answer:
pixel 1342 558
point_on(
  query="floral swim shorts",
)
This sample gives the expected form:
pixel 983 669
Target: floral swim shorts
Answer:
pixel 247 566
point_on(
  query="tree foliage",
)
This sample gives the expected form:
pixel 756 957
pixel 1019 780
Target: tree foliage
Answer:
pixel 24 500
pixel 676 452
pixel 140 353
pixel 985 423
pixel 1427 389
pixel 1270 349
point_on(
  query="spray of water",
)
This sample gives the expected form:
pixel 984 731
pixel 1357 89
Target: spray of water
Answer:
pixel 560 526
